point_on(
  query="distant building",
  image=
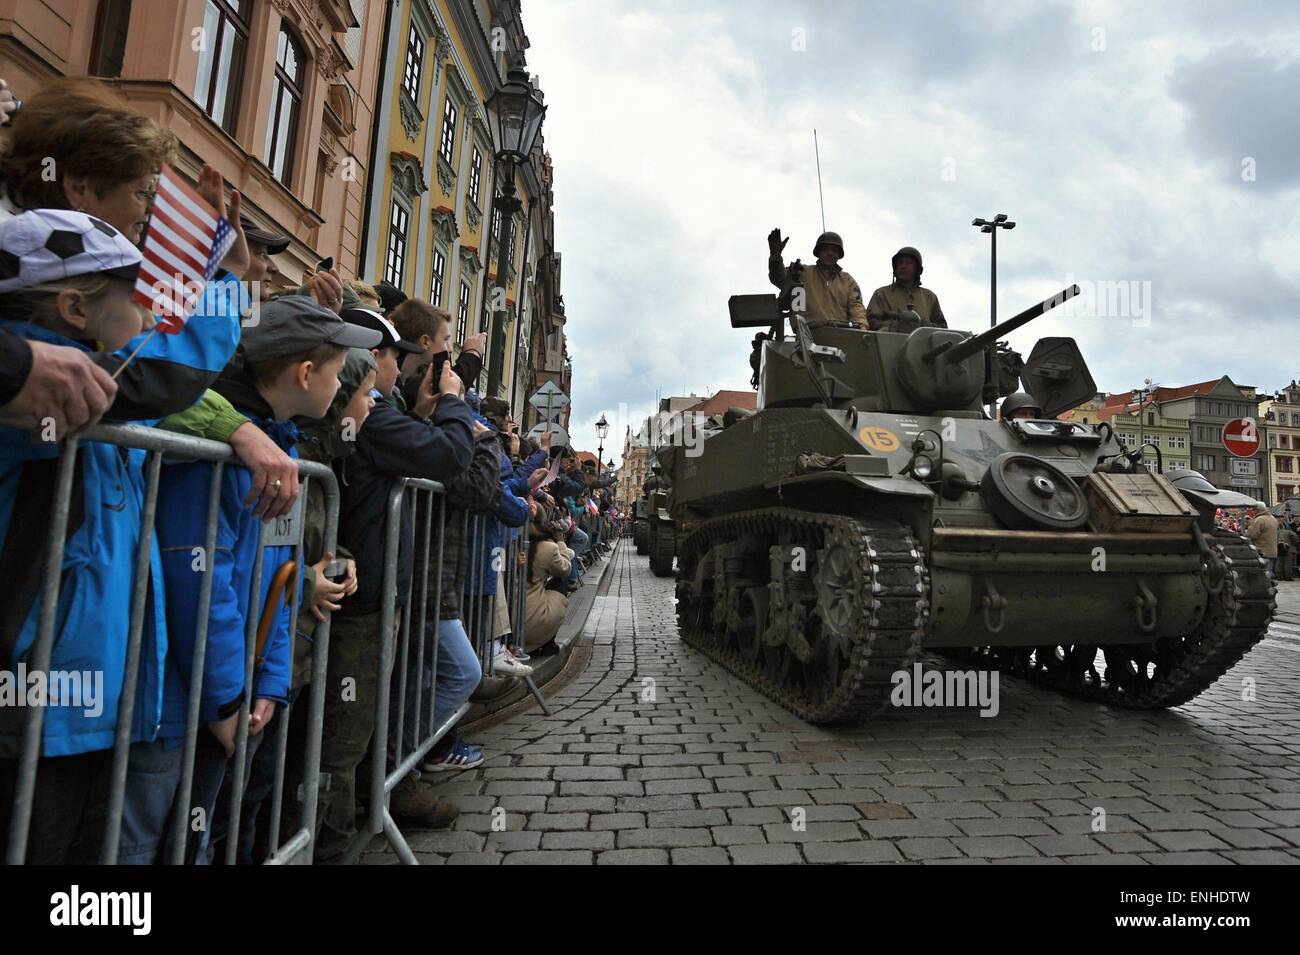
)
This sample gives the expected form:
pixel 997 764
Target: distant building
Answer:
pixel 1208 406
pixel 1280 414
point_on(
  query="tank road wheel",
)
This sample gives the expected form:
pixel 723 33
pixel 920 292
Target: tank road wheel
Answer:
pixel 1172 670
pixel 827 608
pixel 661 550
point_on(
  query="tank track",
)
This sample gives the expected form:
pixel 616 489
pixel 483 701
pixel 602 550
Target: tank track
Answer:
pixel 1170 671
pixel 880 587
pixel 662 547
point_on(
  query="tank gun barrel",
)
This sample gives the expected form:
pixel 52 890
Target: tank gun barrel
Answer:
pixel 963 350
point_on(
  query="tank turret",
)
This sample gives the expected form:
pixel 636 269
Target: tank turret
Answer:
pixel 926 370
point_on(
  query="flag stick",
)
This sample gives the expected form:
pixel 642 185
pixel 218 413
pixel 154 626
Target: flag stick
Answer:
pixel 131 356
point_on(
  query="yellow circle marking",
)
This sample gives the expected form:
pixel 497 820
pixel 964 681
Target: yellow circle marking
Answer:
pixel 879 439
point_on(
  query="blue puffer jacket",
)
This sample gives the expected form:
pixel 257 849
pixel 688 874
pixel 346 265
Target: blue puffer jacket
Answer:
pixel 518 483
pixel 181 538
pixel 103 536
pixel 512 511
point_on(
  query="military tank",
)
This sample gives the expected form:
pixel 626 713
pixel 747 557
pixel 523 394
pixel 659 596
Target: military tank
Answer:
pixel 871 510
pixel 641 525
pixel 661 537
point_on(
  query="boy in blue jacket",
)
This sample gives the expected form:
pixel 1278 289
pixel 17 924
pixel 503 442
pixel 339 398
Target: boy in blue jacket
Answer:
pixel 287 367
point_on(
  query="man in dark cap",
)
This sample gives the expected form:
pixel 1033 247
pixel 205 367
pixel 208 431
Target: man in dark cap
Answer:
pixel 262 244
pixel 390 296
pixel 903 304
pixel 829 293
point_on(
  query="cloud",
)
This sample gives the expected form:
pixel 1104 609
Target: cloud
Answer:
pixel 682 133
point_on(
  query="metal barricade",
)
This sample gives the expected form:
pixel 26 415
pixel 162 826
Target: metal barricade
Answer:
pixel 159 445
pixel 403 657
pixel 382 778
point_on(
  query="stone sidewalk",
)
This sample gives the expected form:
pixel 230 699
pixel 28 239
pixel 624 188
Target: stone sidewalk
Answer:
pixel 655 755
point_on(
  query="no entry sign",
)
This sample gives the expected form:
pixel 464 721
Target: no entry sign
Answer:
pixel 1241 437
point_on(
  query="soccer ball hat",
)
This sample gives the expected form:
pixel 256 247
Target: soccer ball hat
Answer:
pixel 48 245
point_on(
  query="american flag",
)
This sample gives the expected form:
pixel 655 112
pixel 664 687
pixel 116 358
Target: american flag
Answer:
pixel 184 243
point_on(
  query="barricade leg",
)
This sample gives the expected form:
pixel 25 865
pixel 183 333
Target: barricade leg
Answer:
pixel 131 673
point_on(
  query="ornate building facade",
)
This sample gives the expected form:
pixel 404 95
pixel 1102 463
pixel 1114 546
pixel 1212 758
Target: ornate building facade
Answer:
pixel 431 228
pixel 277 94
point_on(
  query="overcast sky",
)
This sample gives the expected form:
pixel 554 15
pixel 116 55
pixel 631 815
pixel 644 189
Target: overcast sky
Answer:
pixel 1157 145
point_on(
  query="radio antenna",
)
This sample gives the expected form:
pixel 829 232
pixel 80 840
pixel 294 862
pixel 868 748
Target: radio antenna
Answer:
pixel 821 201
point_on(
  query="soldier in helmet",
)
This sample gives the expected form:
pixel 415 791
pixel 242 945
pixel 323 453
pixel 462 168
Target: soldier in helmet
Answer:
pixel 830 293
pixel 1020 404
pixel 889 305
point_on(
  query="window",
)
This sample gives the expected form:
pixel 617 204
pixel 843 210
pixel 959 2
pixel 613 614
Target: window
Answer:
pixel 462 314
pixel 109 45
pixel 1285 464
pixel 496 229
pixel 475 177
pixel 223 40
pixel 1175 466
pixel 414 64
pixel 436 280
pixel 1125 438
pixel 285 101
pixel 1177 442
pixel 1151 417
pixel 447 142
pixel 1205 462
pixel 396 262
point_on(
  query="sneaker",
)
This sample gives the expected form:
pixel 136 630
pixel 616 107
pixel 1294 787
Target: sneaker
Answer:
pixel 415 804
pixel 462 755
pixel 516 652
pixel 505 664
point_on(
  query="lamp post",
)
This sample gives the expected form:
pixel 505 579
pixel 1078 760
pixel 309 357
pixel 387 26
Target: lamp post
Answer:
pixel 515 114
pixel 602 429
pixel 991 226
pixel 1141 394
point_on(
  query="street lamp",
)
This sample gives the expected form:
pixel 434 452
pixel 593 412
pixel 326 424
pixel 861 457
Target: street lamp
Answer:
pixel 602 429
pixel 515 114
pixel 1141 394
pixel 999 221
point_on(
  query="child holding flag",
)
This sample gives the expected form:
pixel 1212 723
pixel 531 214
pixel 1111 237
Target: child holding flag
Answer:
pixel 66 279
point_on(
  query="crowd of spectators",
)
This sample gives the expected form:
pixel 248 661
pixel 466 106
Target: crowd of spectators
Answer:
pixel 346 374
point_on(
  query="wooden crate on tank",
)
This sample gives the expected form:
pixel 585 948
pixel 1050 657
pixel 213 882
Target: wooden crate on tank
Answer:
pixel 1142 502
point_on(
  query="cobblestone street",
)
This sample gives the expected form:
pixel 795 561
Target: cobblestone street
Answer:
pixel 696 767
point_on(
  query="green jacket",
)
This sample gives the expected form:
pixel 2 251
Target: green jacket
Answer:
pixel 889 301
pixel 211 417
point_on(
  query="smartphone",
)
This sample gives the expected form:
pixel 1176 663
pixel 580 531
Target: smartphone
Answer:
pixel 336 571
pixel 324 265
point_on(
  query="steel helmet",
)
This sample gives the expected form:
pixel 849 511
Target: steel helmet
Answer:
pixel 829 238
pixel 913 254
pixel 1018 401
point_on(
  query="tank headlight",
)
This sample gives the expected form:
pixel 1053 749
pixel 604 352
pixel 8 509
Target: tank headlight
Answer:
pixel 922 467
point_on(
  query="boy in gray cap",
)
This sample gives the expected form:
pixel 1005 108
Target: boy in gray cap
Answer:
pixel 287 367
